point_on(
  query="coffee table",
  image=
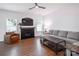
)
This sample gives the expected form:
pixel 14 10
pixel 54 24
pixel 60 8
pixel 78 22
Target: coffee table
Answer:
pixel 54 43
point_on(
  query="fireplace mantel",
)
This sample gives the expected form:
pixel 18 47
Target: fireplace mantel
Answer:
pixel 27 26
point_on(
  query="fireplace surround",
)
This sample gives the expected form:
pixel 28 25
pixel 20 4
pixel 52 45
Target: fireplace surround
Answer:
pixel 27 28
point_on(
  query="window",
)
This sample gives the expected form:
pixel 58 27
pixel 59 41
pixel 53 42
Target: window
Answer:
pixel 11 25
pixel 39 27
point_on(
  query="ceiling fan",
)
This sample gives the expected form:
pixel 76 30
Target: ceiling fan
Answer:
pixel 37 6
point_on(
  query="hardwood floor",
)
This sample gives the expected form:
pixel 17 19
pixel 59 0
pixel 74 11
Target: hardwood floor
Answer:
pixel 27 47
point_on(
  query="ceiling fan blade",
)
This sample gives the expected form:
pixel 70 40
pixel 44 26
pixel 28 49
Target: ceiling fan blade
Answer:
pixel 32 8
pixel 36 4
pixel 42 7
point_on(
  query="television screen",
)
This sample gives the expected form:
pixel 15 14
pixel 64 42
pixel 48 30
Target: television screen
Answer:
pixel 27 22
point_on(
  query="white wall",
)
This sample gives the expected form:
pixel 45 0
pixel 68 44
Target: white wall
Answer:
pixel 4 15
pixel 65 18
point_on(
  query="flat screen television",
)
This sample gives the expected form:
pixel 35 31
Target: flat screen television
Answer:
pixel 27 22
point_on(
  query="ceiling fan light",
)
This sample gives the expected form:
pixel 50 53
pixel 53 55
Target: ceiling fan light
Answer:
pixel 36 7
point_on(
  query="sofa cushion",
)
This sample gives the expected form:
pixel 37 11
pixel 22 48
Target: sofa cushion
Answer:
pixel 55 32
pixel 51 32
pixel 72 41
pixel 58 37
pixel 73 35
pixel 63 34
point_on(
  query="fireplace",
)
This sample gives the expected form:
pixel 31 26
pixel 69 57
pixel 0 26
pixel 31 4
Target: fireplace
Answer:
pixel 27 28
pixel 27 33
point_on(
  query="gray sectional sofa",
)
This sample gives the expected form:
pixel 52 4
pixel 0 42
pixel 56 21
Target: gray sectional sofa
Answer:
pixel 68 36
pixel 71 39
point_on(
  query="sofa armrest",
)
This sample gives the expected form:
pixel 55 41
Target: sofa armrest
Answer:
pixel 7 38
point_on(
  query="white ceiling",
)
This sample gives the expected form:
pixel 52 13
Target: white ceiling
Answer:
pixel 18 7
pixel 24 7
